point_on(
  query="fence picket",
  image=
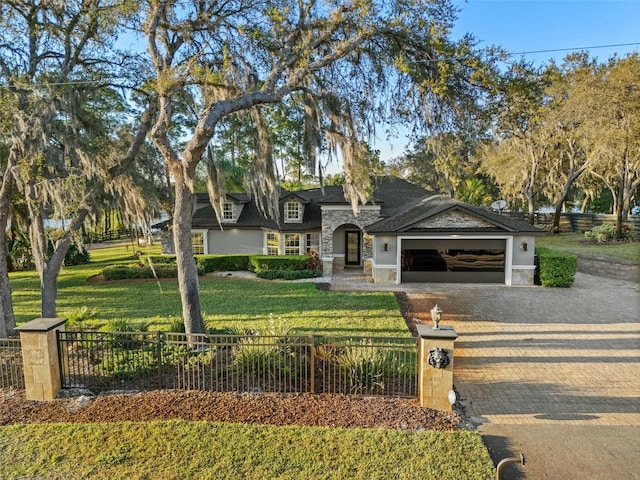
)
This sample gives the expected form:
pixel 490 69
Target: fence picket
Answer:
pixel 240 363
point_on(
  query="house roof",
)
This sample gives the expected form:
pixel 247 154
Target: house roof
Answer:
pixel 421 216
pixel 404 207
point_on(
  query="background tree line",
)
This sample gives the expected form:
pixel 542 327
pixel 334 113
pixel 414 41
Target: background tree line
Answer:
pixel 555 135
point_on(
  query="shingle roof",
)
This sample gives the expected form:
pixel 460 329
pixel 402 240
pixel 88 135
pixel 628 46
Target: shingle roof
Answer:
pixel 431 206
pixel 402 205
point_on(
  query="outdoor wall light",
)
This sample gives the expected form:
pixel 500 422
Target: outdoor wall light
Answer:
pixel 386 247
pixel 436 315
pixel 524 246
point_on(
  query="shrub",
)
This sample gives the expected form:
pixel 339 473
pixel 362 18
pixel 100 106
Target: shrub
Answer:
pixel 263 356
pixel 79 315
pixel 606 232
pixel 365 366
pixel 126 325
pixel 557 269
pixel 287 274
pixel 139 270
pixel 75 255
pixel 125 365
pixel 162 259
pixel 259 263
pixel 222 263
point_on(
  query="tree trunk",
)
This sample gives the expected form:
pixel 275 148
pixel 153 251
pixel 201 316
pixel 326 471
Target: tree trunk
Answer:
pixel 532 209
pixel 187 271
pixel 49 278
pixel 7 319
pixel 559 203
pixel 619 202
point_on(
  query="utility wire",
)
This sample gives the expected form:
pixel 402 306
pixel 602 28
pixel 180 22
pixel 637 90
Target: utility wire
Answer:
pixel 529 52
pixel 574 48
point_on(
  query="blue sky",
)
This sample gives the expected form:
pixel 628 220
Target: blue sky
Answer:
pixel 533 25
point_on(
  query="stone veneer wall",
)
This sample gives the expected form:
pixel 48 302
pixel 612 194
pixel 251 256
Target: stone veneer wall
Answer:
pixel 522 277
pixel 332 219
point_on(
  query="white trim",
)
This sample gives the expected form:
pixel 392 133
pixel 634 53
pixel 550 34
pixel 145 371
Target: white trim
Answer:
pixel 523 267
pixel 508 254
pixel 372 208
pixel 381 265
pixel 205 239
pixel 298 217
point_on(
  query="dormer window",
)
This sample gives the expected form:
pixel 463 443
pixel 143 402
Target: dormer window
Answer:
pixel 292 212
pixel 227 211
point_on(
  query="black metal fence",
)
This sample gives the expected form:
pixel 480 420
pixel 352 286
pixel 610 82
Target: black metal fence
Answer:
pixel 239 363
pixel 11 372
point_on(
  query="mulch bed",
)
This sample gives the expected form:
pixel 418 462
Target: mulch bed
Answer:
pixel 343 411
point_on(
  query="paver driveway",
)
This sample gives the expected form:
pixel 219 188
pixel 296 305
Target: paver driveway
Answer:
pixel 552 372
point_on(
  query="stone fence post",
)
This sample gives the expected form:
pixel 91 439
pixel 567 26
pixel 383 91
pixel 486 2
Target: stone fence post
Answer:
pixel 40 357
pixel 435 366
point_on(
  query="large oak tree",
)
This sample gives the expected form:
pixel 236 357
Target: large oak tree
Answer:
pixel 354 64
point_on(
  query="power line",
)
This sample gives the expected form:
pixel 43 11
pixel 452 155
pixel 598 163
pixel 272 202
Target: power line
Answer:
pixel 574 48
pixel 528 52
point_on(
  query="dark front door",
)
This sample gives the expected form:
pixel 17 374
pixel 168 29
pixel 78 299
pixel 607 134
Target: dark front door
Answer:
pixel 352 240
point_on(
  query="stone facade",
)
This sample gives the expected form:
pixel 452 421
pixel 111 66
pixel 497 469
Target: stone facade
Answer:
pixel 385 275
pixel 522 277
pixel 454 219
pixel 334 218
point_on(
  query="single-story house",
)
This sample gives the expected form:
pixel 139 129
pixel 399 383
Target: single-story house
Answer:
pixel 404 234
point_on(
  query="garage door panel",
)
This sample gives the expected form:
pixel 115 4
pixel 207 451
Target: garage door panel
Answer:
pixel 453 277
pixel 453 260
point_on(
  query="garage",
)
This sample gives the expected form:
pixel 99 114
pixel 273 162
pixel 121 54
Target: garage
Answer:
pixel 451 260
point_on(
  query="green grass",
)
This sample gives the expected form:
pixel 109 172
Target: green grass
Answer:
pixel 578 244
pixel 181 449
pixel 225 301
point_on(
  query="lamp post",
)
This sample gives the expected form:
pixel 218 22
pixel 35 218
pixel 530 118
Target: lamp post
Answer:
pixel 436 315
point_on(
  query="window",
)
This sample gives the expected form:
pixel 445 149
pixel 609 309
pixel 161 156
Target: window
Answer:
pixel 292 244
pixel 197 240
pixel 273 243
pixel 227 211
pixel 292 211
pixel 313 243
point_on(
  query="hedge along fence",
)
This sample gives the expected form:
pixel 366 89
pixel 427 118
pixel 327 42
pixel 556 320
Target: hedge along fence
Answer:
pixel 557 269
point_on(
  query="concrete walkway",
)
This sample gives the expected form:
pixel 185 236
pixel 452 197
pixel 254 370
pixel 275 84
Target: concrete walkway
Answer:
pixel 552 373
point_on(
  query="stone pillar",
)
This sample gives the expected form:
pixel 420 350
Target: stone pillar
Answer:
pixel 435 366
pixel 40 357
pixel 327 266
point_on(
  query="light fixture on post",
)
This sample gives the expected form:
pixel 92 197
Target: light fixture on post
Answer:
pixel 436 315
pixel 386 247
pixel 524 246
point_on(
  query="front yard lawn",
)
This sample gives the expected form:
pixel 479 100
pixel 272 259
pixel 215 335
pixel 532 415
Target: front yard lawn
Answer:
pixel 225 301
pixel 182 449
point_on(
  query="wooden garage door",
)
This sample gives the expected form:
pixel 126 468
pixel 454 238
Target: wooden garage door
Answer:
pixel 453 261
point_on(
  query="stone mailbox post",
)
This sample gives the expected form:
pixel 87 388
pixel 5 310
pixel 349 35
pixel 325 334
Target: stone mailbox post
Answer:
pixel 435 368
pixel 40 357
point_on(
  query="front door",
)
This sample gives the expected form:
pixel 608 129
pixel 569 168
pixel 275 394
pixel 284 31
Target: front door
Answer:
pixel 352 240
